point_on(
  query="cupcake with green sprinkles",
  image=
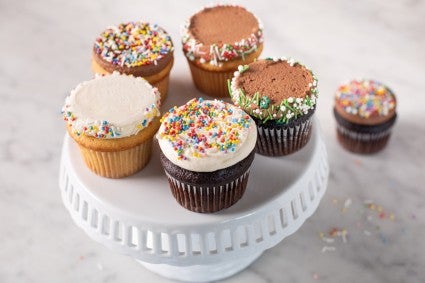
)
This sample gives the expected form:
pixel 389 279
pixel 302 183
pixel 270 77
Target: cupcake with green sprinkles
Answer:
pixel 207 147
pixel 280 94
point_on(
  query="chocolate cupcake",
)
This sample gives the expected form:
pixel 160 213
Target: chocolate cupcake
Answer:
pixel 365 111
pixel 207 147
pixel 135 48
pixel 280 95
pixel 218 39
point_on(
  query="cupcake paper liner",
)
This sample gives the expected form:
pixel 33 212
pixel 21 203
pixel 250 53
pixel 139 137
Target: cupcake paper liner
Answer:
pixel 208 199
pixel 162 86
pixel 278 140
pixel 362 142
pixel 117 164
pixel 363 138
pixel 212 83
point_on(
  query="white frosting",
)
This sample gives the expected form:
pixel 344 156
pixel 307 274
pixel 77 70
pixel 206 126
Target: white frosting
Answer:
pixel 196 156
pixel 111 106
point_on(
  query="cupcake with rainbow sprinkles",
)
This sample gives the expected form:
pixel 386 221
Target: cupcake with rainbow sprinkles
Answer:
pixel 207 147
pixel 365 112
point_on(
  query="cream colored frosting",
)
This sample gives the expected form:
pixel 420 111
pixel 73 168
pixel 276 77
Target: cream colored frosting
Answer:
pixel 111 106
pixel 206 135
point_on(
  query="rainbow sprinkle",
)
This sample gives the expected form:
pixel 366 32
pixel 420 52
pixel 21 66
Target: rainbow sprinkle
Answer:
pixel 203 127
pixel 365 98
pixel 103 129
pixel 133 44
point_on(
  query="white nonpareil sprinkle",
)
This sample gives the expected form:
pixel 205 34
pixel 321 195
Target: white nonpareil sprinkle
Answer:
pixel 347 203
pixel 328 249
pixel 328 240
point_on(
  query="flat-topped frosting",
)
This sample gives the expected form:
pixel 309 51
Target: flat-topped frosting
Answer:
pixel 277 89
pixel 206 135
pixel 221 33
pixel 111 106
pixel 133 44
pixel 365 99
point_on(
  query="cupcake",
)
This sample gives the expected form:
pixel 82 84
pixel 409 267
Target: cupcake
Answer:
pixel 113 119
pixel 135 48
pixel 365 112
pixel 207 147
pixel 280 95
pixel 218 39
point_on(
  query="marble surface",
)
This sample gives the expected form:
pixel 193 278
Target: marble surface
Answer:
pixel 45 51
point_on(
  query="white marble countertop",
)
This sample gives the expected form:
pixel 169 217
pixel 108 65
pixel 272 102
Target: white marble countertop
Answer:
pixel 45 51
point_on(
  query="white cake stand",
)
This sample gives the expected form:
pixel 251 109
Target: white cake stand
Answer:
pixel 139 217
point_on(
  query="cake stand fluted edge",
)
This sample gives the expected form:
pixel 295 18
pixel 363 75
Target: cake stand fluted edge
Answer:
pixel 199 245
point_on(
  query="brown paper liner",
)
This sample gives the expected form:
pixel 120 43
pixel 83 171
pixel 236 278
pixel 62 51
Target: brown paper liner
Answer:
pixel 278 140
pixel 363 143
pixel 208 199
pixel 117 164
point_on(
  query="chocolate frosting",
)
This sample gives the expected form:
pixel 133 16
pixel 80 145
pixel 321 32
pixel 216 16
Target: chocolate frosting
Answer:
pixel 276 80
pixel 223 24
pixel 139 71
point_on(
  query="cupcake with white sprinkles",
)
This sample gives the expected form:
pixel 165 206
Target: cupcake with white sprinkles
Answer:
pixel 216 40
pixel 280 94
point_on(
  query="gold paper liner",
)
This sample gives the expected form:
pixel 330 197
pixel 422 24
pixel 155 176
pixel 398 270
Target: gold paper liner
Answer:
pixel 162 86
pixel 117 164
pixel 212 83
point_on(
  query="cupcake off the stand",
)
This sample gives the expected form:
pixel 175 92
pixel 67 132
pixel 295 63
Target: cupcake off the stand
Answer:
pixel 113 119
pixel 135 48
pixel 365 111
pixel 207 147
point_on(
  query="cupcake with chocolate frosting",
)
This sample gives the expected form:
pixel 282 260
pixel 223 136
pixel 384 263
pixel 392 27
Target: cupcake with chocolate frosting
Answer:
pixel 207 147
pixel 280 95
pixel 216 40
pixel 365 111
pixel 135 48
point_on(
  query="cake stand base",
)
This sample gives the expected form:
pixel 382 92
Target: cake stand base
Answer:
pixel 202 273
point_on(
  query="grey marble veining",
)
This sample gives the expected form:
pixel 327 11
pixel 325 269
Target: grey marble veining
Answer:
pixel 45 51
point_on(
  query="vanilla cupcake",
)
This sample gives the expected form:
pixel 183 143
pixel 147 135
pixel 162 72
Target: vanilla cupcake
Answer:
pixel 207 147
pixel 113 119
pixel 135 48
pixel 216 40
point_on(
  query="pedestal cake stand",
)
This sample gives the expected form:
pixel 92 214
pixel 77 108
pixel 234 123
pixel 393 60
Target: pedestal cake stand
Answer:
pixel 139 217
